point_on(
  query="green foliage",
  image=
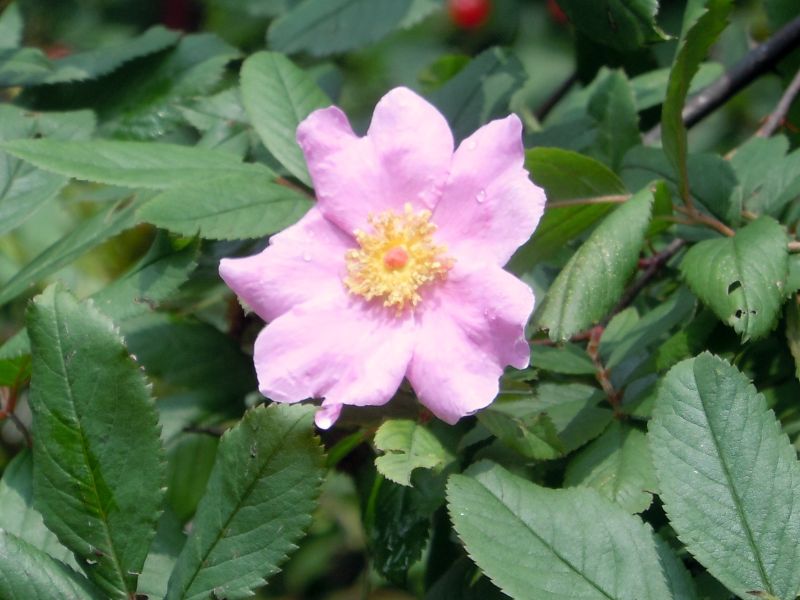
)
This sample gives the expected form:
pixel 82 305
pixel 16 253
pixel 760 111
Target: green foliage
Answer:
pixel 96 420
pixel 536 543
pixel 278 96
pixel 407 446
pixel 593 280
pixel 323 27
pixel 233 207
pixel 730 480
pixel 623 24
pixel 743 278
pixel 257 503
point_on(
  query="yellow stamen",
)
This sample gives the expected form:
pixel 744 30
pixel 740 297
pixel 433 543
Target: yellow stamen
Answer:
pixel 396 258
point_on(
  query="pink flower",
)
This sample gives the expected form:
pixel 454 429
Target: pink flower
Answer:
pixel 397 270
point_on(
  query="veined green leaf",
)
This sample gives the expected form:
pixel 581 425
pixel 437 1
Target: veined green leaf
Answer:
pixel 278 95
pixel 730 479
pixel 407 445
pixel 233 207
pixel 323 27
pixel 622 24
pixel 742 278
pixel 693 50
pixel 27 573
pixel 593 279
pixel 258 502
pixel 98 464
pixel 613 106
pixel 537 543
pixel 130 164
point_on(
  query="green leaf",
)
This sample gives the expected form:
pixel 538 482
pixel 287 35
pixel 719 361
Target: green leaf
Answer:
pixel 91 232
pixel 768 178
pixel 533 435
pixel 234 207
pixel 407 445
pixel 742 278
pixel 99 471
pixel 258 502
pixel 618 465
pixel 480 92
pixel 623 24
pixel 793 331
pixel 11 27
pixel 614 108
pixel 190 459
pixel 160 272
pixel 568 359
pixel 161 559
pixel 564 175
pixel 278 95
pixel 322 27
pixel 693 50
pixel 463 581
pixel 24 189
pixel 21 68
pixel 594 278
pixel 29 574
pixel 651 88
pixel 130 164
pixel 730 480
pixel 547 544
pixel 18 516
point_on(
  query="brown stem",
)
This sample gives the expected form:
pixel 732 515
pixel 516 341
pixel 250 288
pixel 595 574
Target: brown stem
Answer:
pixel 777 116
pixel 602 374
pixel 697 217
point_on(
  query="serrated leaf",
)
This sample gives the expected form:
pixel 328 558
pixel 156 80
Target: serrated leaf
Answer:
pixel 594 278
pixel 613 106
pixel 27 573
pixel 730 479
pixel 18 516
pixel 565 175
pixel 768 178
pixel 537 543
pixel 278 95
pixel 233 207
pixel 160 272
pixel 257 504
pixel 742 278
pixel 26 68
pixel 130 164
pixel 694 47
pixel 407 445
pixel 98 464
pixel 533 436
pixel 91 232
pixel 568 359
pixel 618 465
pixel 25 189
pixel 623 24
pixel 322 27
pixel 480 92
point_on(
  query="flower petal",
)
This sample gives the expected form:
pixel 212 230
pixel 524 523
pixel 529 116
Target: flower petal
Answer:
pixel 334 347
pixel 326 415
pixel 405 157
pixel 468 330
pixel 489 206
pixel 302 262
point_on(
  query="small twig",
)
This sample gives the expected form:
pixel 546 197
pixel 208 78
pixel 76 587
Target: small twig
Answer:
pixel 602 374
pixel 794 246
pixel 556 97
pixel 777 116
pixel 694 216
pixel 616 198
pixel 22 429
pixel 755 63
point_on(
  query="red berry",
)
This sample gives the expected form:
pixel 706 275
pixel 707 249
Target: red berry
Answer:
pixel 469 14
pixel 556 12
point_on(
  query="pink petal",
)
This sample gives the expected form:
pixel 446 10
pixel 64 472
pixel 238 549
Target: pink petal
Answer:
pixel 468 330
pixel 326 415
pixel 489 206
pixel 301 263
pixel 334 347
pixel 405 157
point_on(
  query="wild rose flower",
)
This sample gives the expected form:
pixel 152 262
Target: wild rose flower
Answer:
pixel 397 270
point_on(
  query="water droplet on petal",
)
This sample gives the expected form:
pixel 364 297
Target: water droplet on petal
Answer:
pixel 481 196
pixel 307 257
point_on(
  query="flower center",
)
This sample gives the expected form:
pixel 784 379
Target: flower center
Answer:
pixel 396 258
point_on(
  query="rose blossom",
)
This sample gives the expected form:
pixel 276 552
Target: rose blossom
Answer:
pixel 397 270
